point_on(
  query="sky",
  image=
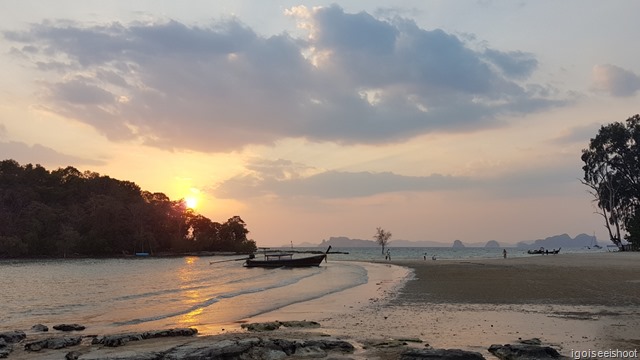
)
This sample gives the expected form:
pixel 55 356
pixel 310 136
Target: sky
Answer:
pixel 435 120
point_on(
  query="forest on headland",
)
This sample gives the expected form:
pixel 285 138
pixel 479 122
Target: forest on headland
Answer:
pixel 65 212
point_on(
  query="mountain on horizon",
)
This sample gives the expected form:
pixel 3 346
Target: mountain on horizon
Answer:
pixel 556 241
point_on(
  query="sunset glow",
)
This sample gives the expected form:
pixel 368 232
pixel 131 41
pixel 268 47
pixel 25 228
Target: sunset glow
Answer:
pixel 191 202
pixel 435 120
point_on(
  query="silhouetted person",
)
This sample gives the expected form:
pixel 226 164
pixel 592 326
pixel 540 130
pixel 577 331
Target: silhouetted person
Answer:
pixel 504 253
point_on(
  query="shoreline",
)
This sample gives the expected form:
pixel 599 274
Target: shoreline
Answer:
pixel 571 302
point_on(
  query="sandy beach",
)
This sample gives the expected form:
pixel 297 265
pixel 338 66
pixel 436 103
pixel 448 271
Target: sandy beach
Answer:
pixel 573 302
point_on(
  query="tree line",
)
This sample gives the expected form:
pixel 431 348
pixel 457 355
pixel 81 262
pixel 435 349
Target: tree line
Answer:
pixel 66 212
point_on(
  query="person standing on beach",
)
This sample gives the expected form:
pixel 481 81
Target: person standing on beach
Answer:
pixel 504 253
pixel 389 254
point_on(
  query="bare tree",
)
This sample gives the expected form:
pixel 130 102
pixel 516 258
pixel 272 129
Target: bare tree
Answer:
pixel 382 237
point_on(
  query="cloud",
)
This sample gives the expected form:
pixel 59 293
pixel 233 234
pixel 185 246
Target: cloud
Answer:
pixel 578 134
pixel 332 184
pixel 38 154
pixel 615 80
pixel 283 179
pixel 354 79
pixel 514 64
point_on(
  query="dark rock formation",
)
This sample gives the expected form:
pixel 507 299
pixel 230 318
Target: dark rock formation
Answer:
pixel 12 337
pixel 40 328
pixel 258 348
pixel 524 352
pixel 5 348
pixel 121 339
pixel 69 327
pixel 53 343
pixel 274 325
pixel 492 244
pixel 440 354
pixel 73 355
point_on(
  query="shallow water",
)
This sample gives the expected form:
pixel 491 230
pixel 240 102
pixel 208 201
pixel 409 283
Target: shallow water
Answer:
pixel 117 295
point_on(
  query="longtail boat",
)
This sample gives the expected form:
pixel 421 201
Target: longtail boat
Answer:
pixel 276 260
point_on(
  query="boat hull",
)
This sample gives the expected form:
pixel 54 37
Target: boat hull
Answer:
pixel 276 263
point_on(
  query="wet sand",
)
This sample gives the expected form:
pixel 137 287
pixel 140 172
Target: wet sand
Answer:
pixel 571 302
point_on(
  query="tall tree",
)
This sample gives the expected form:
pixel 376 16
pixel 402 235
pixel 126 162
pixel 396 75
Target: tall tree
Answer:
pixel 382 237
pixel 612 172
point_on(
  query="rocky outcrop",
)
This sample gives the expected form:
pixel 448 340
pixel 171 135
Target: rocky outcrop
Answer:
pixel 526 351
pixel 258 348
pixel 274 325
pixel 53 343
pixel 69 327
pixel 440 354
pixel 40 328
pixel 121 339
pixel 12 337
pixel 5 348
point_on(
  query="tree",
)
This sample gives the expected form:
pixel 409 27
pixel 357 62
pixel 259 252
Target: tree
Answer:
pixel 612 172
pixel 382 237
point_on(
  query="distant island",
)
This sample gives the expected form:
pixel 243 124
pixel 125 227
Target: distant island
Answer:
pixel 556 241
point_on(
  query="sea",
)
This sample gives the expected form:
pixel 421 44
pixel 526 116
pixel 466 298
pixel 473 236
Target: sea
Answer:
pixel 207 292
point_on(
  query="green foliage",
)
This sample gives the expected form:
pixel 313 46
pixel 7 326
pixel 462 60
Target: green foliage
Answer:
pixel 612 172
pixel 66 212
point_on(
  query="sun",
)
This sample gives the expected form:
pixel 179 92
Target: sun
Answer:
pixel 191 202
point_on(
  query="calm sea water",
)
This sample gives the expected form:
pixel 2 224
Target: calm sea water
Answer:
pixel 119 295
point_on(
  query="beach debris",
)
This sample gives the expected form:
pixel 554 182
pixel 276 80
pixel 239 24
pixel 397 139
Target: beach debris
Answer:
pixel 69 327
pixel 40 328
pixel 53 343
pixel 440 354
pixel 122 339
pixel 524 352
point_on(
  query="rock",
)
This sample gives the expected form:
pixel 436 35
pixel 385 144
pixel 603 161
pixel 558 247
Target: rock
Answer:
pixel 440 354
pixel 53 343
pixel 274 325
pixel 4 352
pixel 534 341
pixel 121 339
pixel 69 327
pixel 257 348
pixel 266 326
pixel 116 340
pixel 73 355
pixel 300 324
pixel 40 327
pixel 5 348
pixel 331 345
pixel 524 352
pixel 12 337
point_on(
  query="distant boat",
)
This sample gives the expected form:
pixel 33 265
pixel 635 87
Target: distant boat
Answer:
pixel 276 260
pixel 542 251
